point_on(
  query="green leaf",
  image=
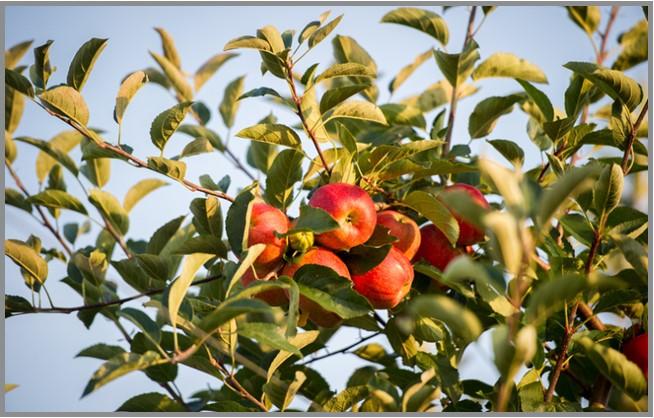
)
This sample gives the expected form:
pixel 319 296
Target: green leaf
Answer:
pixel 230 309
pixel 402 114
pixel 178 289
pixel 174 74
pixel 346 399
pixel 552 295
pixel 229 105
pixel 268 334
pixel 271 133
pixel 299 341
pixel 209 68
pixel 9 387
pixel 110 208
pixel 315 219
pixel 196 147
pixel 41 70
pixel 608 189
pixel 285 171
pixel 358 110
pixel 634 47
pixel 259 92
pixel 325 287
pixel 14 54
pixel 27 258
pixel 503 64
pixel 14 107
pixel 169 49
pixel 614 83
pixel 151 402
pixel 142 321
pixel 15 198
pixel 207 216
pixel 558 128
pixel 238 221
pixel 154 265
pixel 18 82
pixel 348 69
pixel 586 17
pixel 509 150
pixel 83 62
pixel 54 152
pixel 457 67
pixel 167 122
pixel 67 102
pixel 121 365
pixel 101 351
pixel 197 131
pixel 248 42
pixel 635 254
pixel 97 170
pixel 333 97
pixel 207 244
pixel 461 321
pixel 433 209
pixel 16 304
pixel 407 70
pixel 126 92
pixel 538 97
pixel 346 49
pixel 423 20
pixel 57 199
pixel 172 169
pixel 616 367
pixel 506 242
pixel 320 34
pixel 140 190
pixel 485 115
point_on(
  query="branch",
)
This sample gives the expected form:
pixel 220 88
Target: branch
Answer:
pixel 601 55
pixel 235 385
pixel 44 220
pixel 628 149
pixel 342 350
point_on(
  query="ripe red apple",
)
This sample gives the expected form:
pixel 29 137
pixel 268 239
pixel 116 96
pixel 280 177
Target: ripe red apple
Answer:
pixel 265 220
pixel 321 257
pixel 468 234
pixel 352 208
pixel 435 248
pixel 386 284
pixel 635 350
pixel 273 297
pixel 404 229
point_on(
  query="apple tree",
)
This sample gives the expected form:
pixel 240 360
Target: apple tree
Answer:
pixel 360 214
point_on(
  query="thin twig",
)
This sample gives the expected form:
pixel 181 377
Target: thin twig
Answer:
pixel 628 149
pixel 235 385
pixel 342 350
pixel 601 55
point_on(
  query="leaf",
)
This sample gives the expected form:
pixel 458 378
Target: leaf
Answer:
pixel 230 309
pixel 357 110
pixel 407 70
pixel 634 47
pixel 169 49
pixel 151 402
pixel 508 65
pixel 14 107
pixel 67 102
pixel 97 170
pixel 27 259
pixel 9 387
pixel 506 243
pixel 110 208
pixel 101 351
pixel 259 92
pixel 54 152
pixel 248 42
pixel 509 150
pixel 238 221
pixel 608 189
pixel 18 82
pixel 268 334
pixel 346 49
pixel 209 68
pixel 485 115
pixel 551 296
pixel 346 399
pixel 438 94
pixel 423 20
pixel 612 82
pixel 457 67
pixel 142 321
pixel 538 97
pixel 314 219
pixel 207 244
pixel 179 287
pixel 461 321
pixel 15 198
pixel 433 209
pixel 167 122
pixel 197 131
pixel 140 190
pixel 126 92
pixel 325 287
pixel 58 199
pixel 175 76
pixel 622 373
pixel 286 170
pixel 120 365
pixel 154 266
pixel 333 97
pixel 14 54
pixel 229 105
pixel 83 62
pixel 271 133
pixel 402 114
pixel 41 70
pixel 348 69
pixel 320 34
pixel 586 17
pixel 299 341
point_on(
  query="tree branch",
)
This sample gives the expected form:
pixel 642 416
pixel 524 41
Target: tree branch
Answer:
pixel 342 350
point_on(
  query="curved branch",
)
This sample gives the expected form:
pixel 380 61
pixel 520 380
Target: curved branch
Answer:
pixel 342 350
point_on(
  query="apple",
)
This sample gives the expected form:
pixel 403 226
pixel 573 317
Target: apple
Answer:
pixel 386 284
pixel 635 349
pixel 435 248
pixel 404 229
pixel 265 220
pixel 352 208
pixel 468 233
pixel 321 257
pixel 273 297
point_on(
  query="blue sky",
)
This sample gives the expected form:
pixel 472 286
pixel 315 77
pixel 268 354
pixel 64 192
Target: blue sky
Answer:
pixel 40 350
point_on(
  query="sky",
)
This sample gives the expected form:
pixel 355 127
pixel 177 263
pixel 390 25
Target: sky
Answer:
pixel 40 349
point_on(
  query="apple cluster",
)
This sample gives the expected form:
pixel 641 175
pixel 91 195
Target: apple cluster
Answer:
pixel 384 285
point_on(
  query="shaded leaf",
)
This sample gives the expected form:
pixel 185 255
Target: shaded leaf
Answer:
pixel 126 92
pixel 120 365
pixel 485 115
pixel 503 64
pixel 420 19
pixel 83 62
pixel 58 199
pixel 167 122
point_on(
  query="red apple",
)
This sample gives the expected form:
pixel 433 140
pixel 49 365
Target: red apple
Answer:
pixel 386 284
pixel 352 208
pixel 468 234
pixel 273 297
pixel 321 257
pixel 636 351
pixel 265 220
pixel 435 248
pixel 404 229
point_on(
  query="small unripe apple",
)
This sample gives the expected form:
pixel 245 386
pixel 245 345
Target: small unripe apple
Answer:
pixel 301 241
pixel 404 229
pixel 265 221
pixel 435 248
pixel 321 257
pixel 352 208
pixel 273 297
pixel 468 233
pixel 635 349
pixel 386 284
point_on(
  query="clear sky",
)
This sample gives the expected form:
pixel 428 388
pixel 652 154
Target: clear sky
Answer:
pixel 40 350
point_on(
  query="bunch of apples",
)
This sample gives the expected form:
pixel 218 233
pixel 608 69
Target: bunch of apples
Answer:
pixel 384 285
